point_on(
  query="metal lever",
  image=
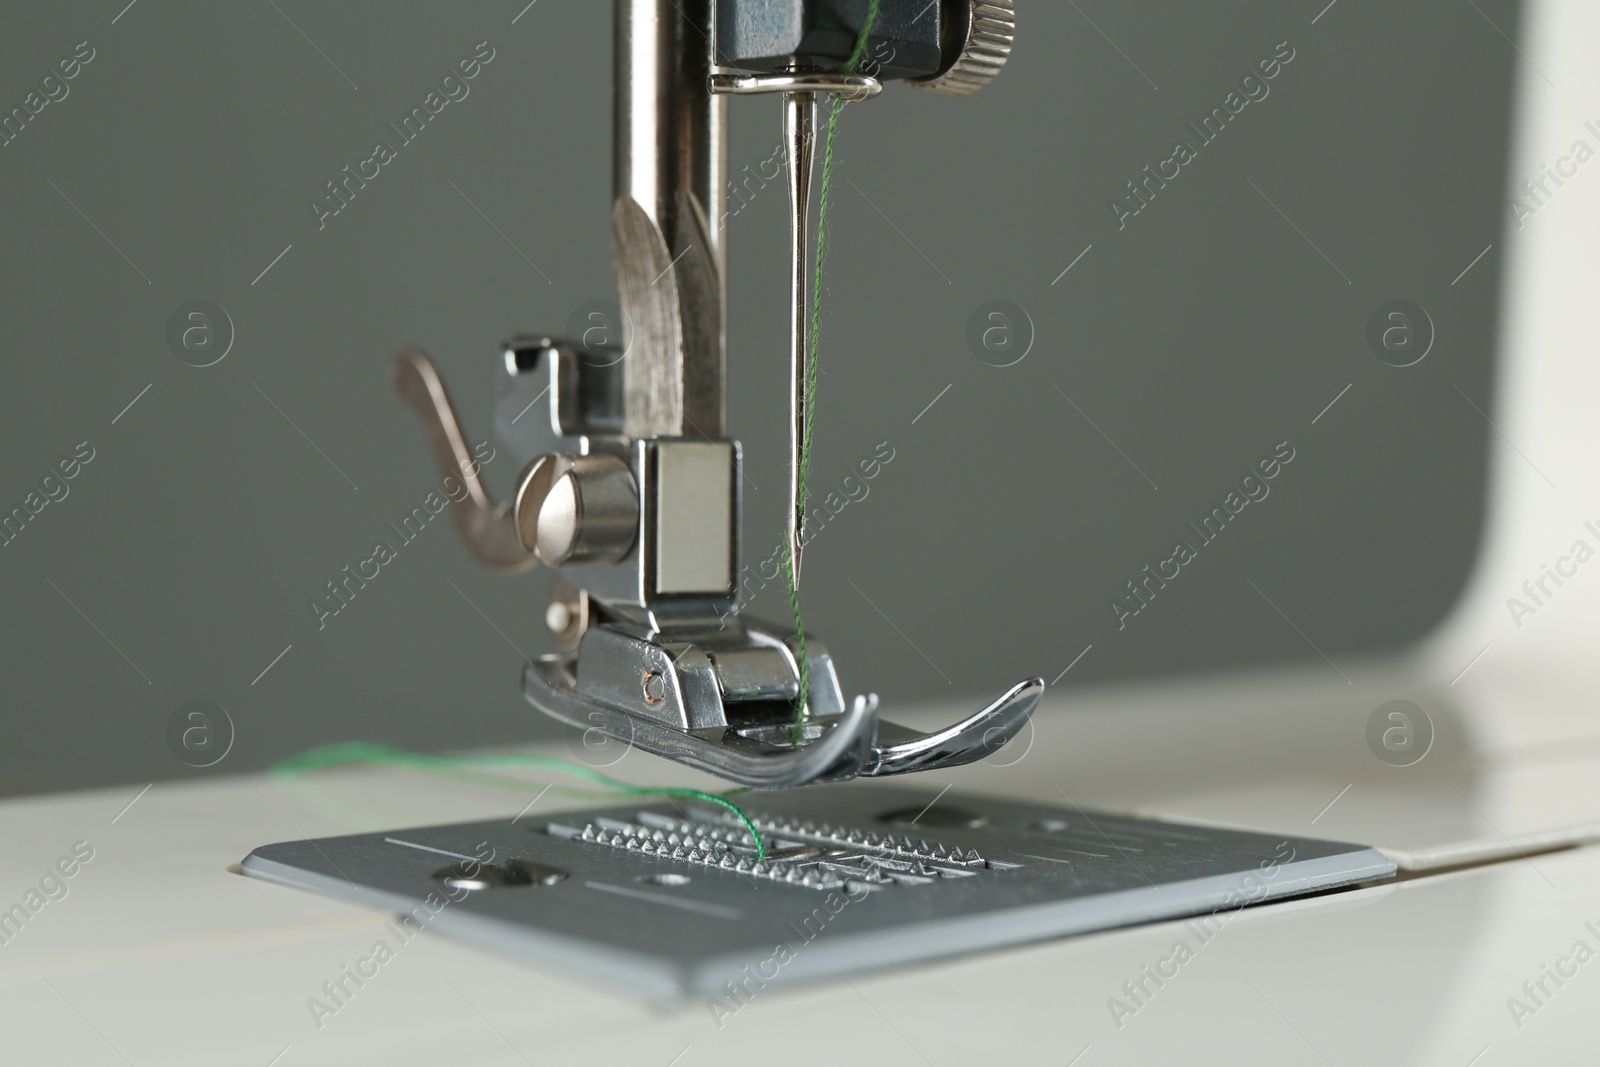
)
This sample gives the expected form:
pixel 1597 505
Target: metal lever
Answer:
pixel 489 532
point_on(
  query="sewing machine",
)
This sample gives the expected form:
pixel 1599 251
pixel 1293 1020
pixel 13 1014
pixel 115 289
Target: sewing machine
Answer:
pixel 1421 560
pixel 629 486
pixel 630 489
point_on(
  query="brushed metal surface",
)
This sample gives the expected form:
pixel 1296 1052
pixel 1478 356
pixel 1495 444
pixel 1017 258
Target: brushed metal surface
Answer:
pixel 668 900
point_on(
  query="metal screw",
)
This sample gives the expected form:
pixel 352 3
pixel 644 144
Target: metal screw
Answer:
pixel 472 875
pixel 655 687
pixel 568 614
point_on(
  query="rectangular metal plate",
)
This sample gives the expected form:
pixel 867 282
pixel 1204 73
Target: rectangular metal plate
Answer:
pixel 694 509
pixel 667 898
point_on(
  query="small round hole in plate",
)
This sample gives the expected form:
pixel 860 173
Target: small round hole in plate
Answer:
pixel 668 878
pixel 1048 826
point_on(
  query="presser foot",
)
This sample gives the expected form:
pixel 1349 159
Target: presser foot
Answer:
pixel 724 704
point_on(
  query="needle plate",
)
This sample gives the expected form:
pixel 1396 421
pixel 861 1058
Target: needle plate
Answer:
pixel 670 899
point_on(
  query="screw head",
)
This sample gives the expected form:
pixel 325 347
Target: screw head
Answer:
pixel 577 509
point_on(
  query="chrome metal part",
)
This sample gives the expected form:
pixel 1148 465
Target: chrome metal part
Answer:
pixel 489 532
pixel 553 395
pixel 723 699
pixel 694 502
pixel 689 508
pixel 737 676
pixel 669 899
pixel 578 509
pixel 900 751
pixel 569 614
pixel 838 753
pixel 669 161
pixel 852 87
pixel 799 136
pixel 978 43
pixel 472 876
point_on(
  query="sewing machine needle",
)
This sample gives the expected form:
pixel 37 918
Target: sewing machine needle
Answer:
pixel 799 127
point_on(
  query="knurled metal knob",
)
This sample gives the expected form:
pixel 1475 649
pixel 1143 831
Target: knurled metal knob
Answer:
pixel 977 44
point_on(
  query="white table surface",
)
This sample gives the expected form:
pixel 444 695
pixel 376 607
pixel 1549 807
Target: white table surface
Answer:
pixel 159 954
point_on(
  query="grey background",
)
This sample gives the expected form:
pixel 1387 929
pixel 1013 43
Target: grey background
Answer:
pixel 1208 330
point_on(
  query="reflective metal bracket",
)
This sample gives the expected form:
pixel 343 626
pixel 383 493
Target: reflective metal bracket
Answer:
pixel 723 702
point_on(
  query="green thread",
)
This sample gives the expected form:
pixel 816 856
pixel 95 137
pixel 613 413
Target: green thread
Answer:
pixel 347 752
pixel 811 376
